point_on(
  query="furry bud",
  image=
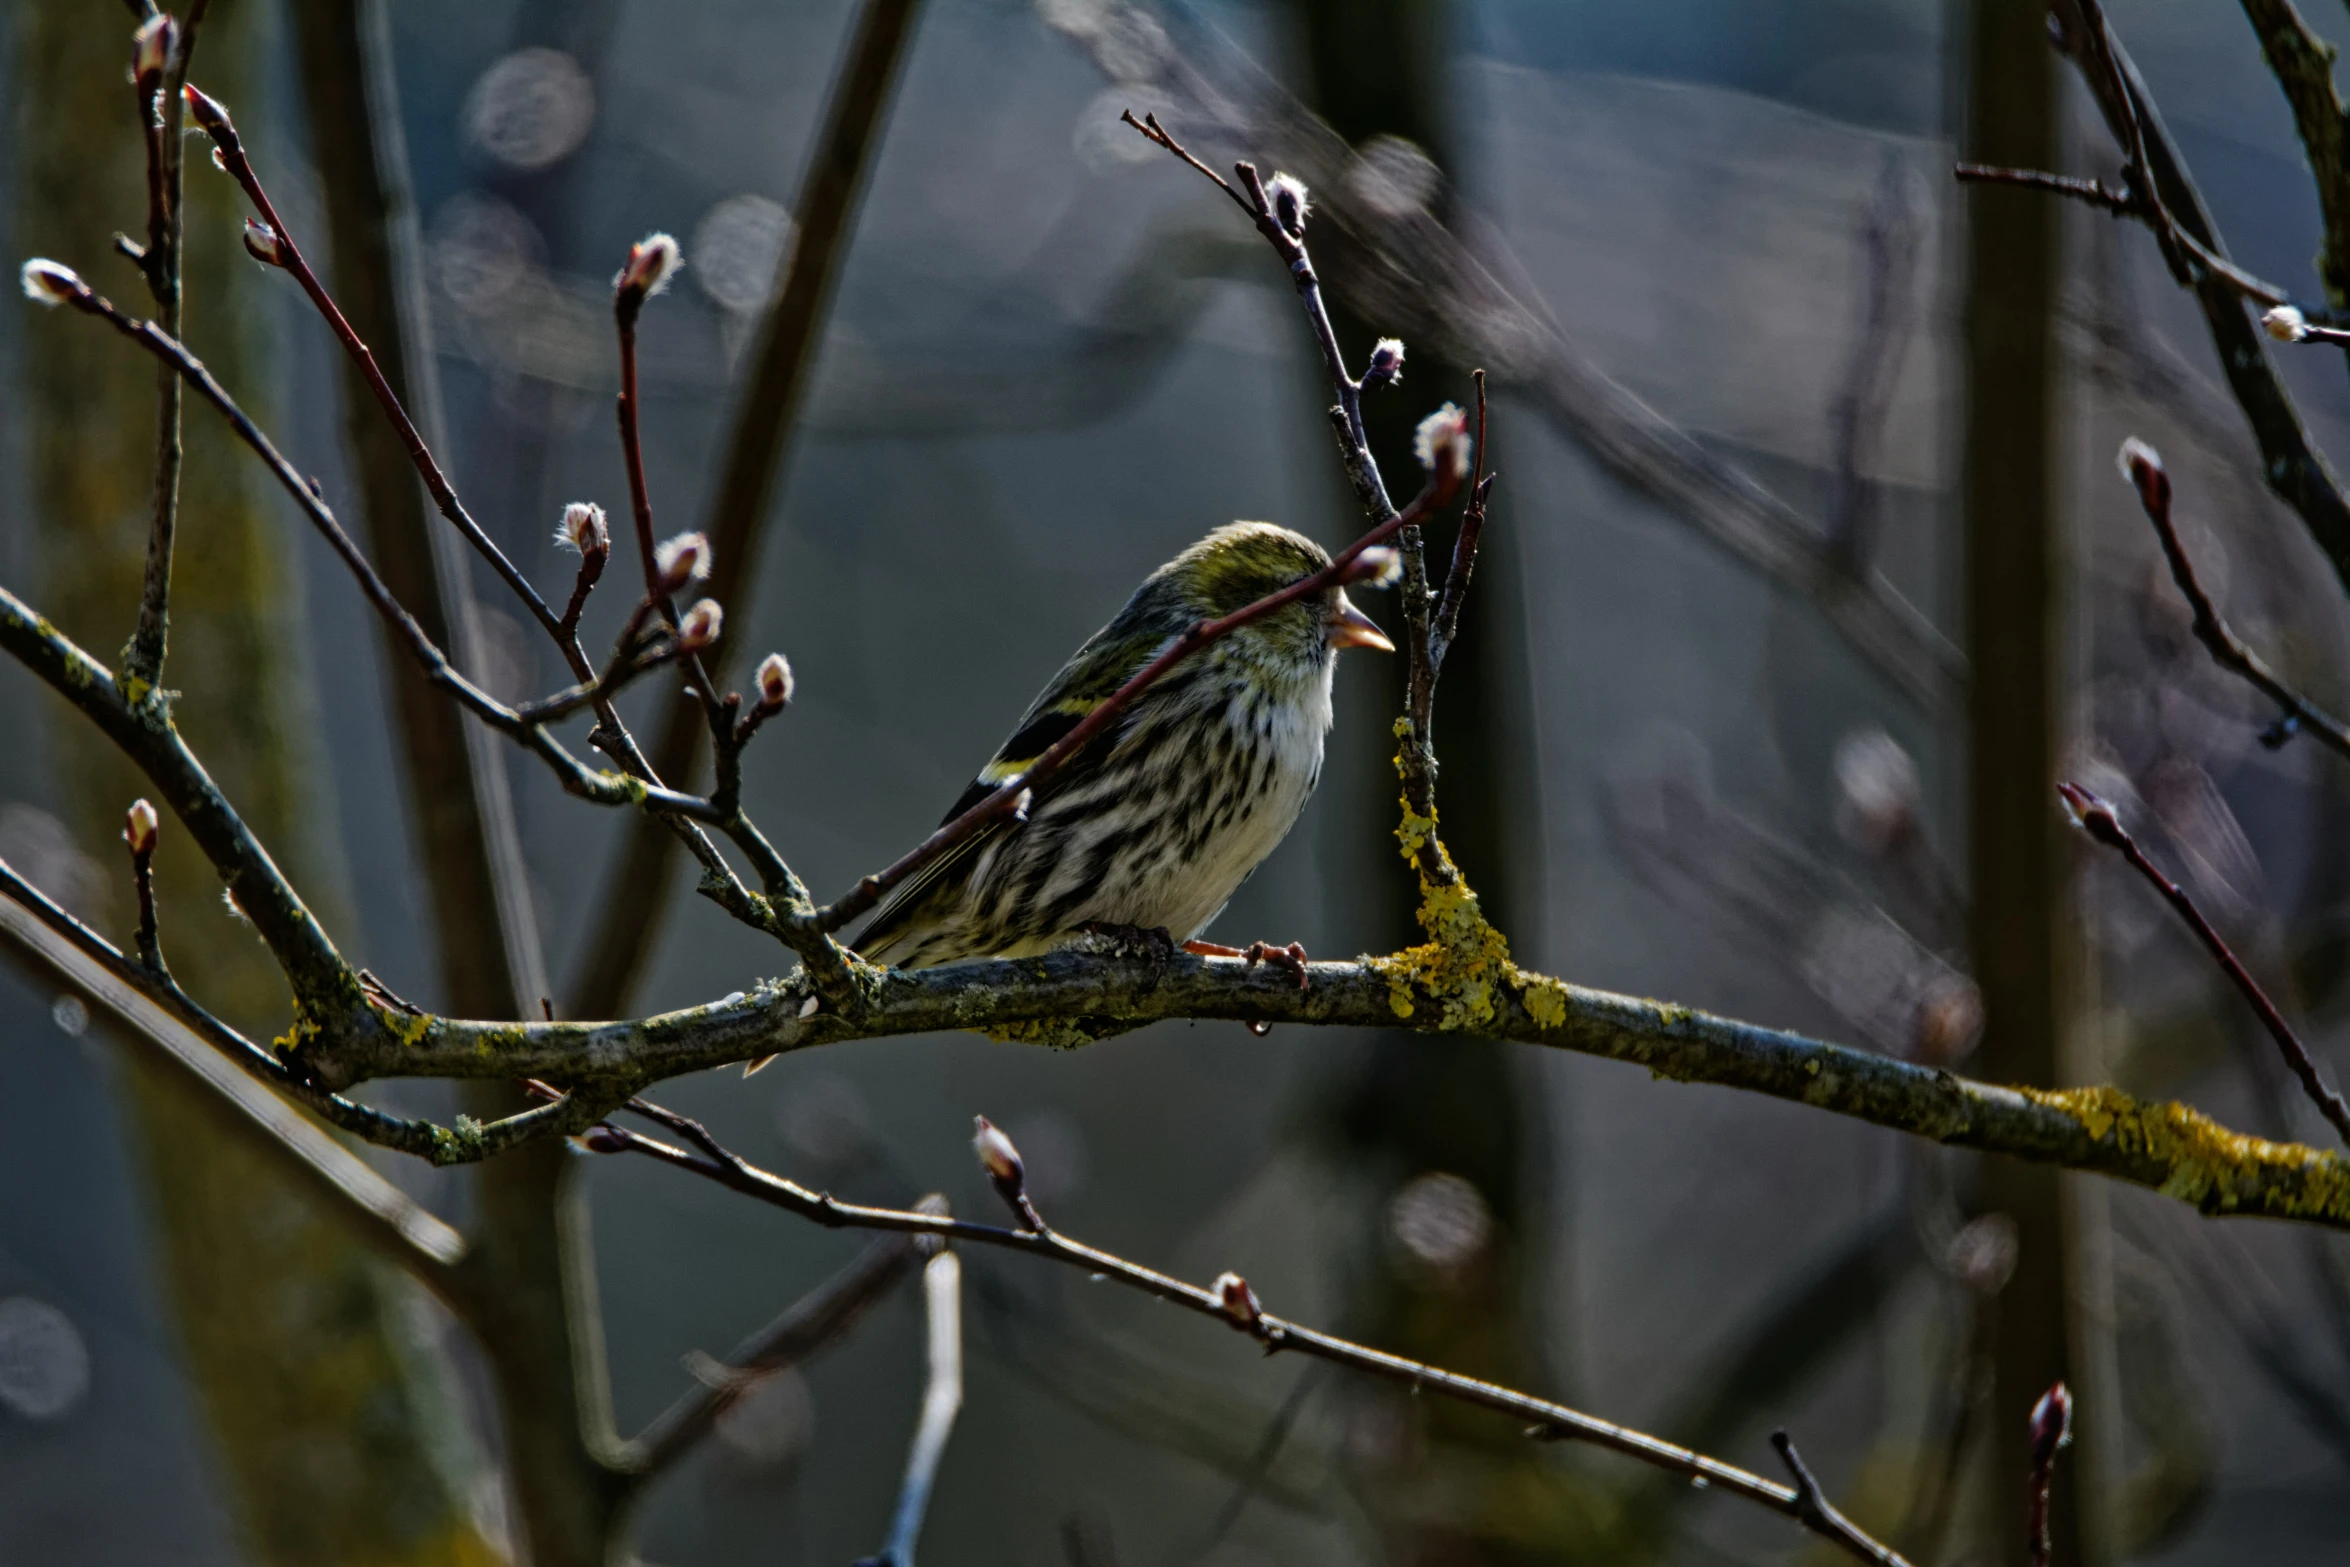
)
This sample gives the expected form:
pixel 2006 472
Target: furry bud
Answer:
pixel 2142 466
pixel 2052 1424
pixel 1380 566
pixel 700 625
pixel 2092 815
pixel 998 1157
pixel 1386 367
pixel 263 244
pixel 209 111
pixel 582 530
pixel 1287 193
pixel 47 283
pixel 152 47
pixel 681 560
pixel 1238 1301
pixel 1442 442
pixel 652 262
pixel 2285 324
pixel 140 827
pixel 775 681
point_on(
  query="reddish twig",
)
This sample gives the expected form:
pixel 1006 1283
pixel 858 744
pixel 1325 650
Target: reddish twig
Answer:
pixel 1442 483
pixel 2142 466
pixel 277 247
pixel 1231 1302
pixel 2099 821
pixel 2096 193
pixel 140 829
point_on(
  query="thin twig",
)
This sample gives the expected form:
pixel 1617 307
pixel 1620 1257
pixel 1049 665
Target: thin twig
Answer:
pixel 396 1226
pixel 2096 193
pixel 2144 469
pixel 942 1400
pixel 1814 1512
pixel 2099 820
pixel 810 1323
pixel 214 118
pixel 1235 1306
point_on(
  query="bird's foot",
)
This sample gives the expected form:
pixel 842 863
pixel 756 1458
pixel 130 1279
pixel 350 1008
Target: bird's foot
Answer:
pixel 1291 957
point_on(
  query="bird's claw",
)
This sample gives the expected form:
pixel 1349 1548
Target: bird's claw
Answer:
pixel 1291 957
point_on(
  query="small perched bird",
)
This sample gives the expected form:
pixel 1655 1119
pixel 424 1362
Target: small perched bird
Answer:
pixel 1159 820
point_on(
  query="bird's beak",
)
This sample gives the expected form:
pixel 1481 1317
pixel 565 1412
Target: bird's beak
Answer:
pixel 1350 627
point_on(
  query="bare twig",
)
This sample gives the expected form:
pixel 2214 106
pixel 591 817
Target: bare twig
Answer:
pixel 2142 466
pixel 942 1400
pixel 2099 821
pixel 1813 1511
pixel 1234 1304
pixel 2289 464
pixel 810 1323
pixel 158 1019
pixel 2096 193
pixel 275 244
pixel 757 447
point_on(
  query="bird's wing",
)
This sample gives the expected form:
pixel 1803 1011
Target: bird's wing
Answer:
pixel 1099 668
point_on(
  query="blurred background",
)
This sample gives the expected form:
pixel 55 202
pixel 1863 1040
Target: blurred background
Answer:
pixel 1054 358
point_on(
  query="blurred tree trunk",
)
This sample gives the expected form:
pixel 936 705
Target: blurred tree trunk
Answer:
pixel 327 1404
pixel 538 1319
pixel 1452 1487
pixel 2015 639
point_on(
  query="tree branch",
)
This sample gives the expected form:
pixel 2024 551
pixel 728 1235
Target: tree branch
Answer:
pixel 2303 65
pixel 1233 1303
pixel 355 1197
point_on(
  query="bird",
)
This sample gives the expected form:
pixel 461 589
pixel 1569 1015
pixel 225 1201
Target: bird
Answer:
pixel 1154 825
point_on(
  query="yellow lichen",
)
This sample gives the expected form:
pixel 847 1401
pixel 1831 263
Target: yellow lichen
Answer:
pixel 1054 1033
pixel 2217 1170
pixel 1464 966
pixel 409 1028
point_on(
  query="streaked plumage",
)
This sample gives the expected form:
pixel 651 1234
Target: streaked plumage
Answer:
pixel 1160 819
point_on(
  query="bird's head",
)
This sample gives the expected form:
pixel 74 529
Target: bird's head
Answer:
pixel 1240 563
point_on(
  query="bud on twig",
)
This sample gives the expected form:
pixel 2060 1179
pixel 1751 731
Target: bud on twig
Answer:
pixel 2142 465
pixel 1238 1301
pixel 48 283
pixel 139 827
pixel 2052 1424
pixel 602 1138
pixel 151 49
pixel 2285 324
pixel 209 112
pixel 679 561
pixel 1004 1170
pixel 583 530
pixel 775 681
pixel 700 625
pixel 1386 366
pixel 652 262
pixel 1287 195
pixel 2092 815
pixel 1380 566
pixel 998 1157
pixel 263 244
pixel 1442 442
